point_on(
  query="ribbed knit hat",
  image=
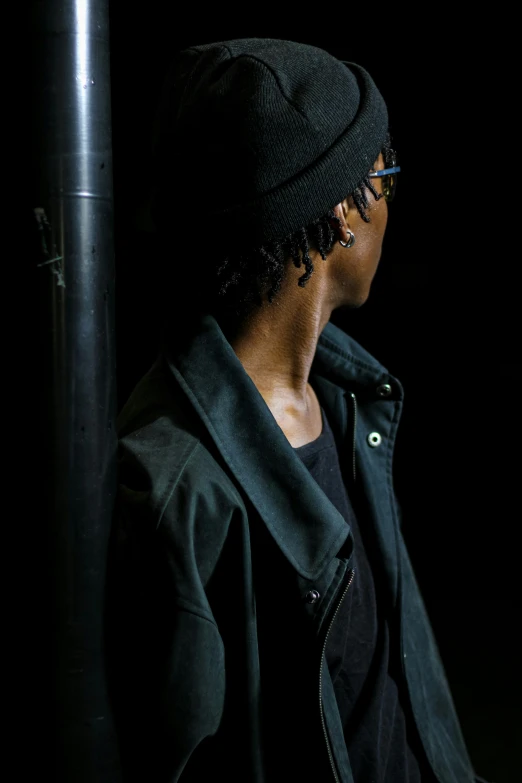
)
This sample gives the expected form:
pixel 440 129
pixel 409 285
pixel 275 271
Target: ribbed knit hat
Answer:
pixel 262 136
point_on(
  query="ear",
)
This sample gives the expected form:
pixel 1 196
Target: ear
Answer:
pixel 341 212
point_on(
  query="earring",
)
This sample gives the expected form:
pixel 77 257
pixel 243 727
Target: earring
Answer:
pixel 351 241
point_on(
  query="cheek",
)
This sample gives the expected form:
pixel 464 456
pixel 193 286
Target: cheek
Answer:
pixel 379 219
pixel 375 235
pixel 381 216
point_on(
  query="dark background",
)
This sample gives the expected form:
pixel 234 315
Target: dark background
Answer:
pixel 442 315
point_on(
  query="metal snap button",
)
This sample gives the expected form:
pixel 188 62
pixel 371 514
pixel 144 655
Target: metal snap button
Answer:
pixel 384 390
pixel 374 439
pixel 312 596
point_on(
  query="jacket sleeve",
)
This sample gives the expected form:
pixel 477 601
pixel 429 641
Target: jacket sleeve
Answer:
pixel 165 663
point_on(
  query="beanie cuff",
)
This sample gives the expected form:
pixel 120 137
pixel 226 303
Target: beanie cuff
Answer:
pixel 320 186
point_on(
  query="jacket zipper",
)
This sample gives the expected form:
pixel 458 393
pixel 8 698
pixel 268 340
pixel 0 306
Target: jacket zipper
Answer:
pixel 330 756
pixel 354 400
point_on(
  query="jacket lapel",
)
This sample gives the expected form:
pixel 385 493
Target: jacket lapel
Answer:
pixel 304 523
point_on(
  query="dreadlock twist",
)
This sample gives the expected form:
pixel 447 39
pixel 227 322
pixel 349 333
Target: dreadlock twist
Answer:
pixel 234 285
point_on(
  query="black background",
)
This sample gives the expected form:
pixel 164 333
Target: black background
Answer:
pixel 443 314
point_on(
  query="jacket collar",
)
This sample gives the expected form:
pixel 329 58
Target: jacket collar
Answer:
pixel 304 523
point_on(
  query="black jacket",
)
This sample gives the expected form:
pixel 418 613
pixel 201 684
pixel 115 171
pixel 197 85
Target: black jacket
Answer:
pixel 216 638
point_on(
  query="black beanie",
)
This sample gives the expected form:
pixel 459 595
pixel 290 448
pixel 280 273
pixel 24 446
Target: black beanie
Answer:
pixel 258 137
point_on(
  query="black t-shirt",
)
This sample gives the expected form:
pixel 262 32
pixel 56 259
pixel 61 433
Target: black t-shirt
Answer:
pixel 379 740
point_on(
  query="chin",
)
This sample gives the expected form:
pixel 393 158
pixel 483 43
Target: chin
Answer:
pixel 349 306
pixel 356 301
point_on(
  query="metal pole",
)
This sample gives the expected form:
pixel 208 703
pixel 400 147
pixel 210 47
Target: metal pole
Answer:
pixel 73 213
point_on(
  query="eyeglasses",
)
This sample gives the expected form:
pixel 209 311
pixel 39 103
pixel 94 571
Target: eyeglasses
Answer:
pixel 389 179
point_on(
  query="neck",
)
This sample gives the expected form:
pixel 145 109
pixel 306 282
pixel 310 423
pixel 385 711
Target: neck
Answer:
pixel 276 345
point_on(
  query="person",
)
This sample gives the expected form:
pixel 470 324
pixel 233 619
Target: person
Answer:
pixel 265 620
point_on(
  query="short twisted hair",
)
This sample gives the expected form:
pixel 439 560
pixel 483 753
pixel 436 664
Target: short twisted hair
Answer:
pixel 232 283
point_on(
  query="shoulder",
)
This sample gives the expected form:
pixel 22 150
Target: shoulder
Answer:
pixel 172 484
